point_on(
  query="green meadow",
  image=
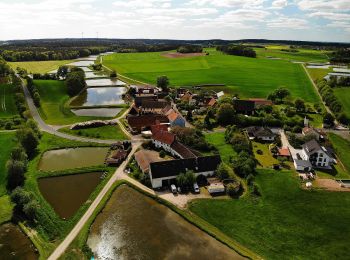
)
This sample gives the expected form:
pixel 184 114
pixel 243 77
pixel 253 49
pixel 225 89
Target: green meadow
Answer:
pixel 39 66
pixel 218 140
pixel 7 142
pixel 343 95
pixel 54 108
pixel 286 222
pixel 248 77
pixel 7 101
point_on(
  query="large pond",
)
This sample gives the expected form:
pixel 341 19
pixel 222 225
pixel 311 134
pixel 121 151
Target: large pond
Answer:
pixel 134 226
pixel 14 244
pixel 67 193
pixel 99 112
pixel 104 82
pixel 62 159
pixel 82 63
pixel 102 96
pixel 91 74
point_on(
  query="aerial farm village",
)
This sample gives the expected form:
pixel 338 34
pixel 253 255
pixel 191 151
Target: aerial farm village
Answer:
pixel 122 149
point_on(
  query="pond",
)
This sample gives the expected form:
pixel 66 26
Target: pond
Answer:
pixel 82 63
pixel 99 112
pixel 14 244
pixel 70 158
pixel 104 82
pixel 102 96
pixel 67 193
pixel 134 226
pixel 91 74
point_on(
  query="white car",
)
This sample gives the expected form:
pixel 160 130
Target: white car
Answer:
pixel 196 187
pixel 173 188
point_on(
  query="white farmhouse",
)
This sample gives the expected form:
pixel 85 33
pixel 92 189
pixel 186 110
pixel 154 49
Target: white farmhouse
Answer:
pixel 316 154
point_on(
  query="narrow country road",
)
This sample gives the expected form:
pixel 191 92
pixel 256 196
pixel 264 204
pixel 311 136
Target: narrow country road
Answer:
pixel 118 174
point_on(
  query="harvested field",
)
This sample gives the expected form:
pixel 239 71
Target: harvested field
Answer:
pixel 182 55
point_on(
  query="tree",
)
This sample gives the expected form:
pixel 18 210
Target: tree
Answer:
pixel 36 99
pixel 18 154
pixel 20 196
pixel 15 171
pixel 113 74
pixel 62 72
pixel 163 83
pixel 28 139
pixel 225 114
pixel 30 209
pixel 279 94
pixel 75 83
pixel 299 105
pixel 328 119
pixel 181 180
pixel 232 189
pixel 190 178
pixel 34 126
pixel 224 171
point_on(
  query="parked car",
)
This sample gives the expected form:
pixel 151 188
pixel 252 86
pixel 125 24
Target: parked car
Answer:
pixel 173 188
pixel 178 189
pixel 196 187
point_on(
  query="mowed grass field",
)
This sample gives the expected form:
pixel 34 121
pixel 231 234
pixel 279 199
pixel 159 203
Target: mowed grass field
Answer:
pixel 342 149
pixel 7 101
pixel 53 108
pixel 248 77
pixel 218 140
pixel 343 95
pixel 286 222
pixel 39 66
pixel 7 142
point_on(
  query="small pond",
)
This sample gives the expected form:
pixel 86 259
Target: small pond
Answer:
pixel 14 244
pixel 67 193
pixel 99 112
pixel 134 226
pixel 63 159
pixel 102 96
pixel 91 74
pixel 104 82
pixel 86 69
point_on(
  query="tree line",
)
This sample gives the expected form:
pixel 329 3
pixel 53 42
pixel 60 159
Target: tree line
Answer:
pixel 190 49
pixel 238 50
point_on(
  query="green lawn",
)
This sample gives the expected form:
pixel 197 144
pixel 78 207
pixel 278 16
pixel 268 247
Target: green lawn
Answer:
pixel 6 207
pixel 104 132
pixel 247 76
pixel 265 159
pixel 39 66
pixel 218 140
pixel 343 95
pixel 286 222
pixel 304 55
pixel 7 142
pixel 7 101
pixel 54 109
pixel 342 149
pixel 318 74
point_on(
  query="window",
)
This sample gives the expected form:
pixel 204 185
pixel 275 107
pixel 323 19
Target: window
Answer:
pixel 325 160
pixel 319 164
pixel 321 154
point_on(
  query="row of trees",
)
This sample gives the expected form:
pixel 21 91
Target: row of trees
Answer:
pixel 33 91
pixel 190 49
pixel 332 102
pixel 5 69
pixel 341 56
pixel 238 50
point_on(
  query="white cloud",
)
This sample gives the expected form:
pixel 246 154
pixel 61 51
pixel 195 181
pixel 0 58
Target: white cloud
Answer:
pixel 317 5
pixel 279 4
pixel 288 23
pixel 228 3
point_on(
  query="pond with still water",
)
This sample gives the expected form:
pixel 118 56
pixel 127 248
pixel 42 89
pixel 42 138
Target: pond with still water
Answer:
pixel 70 158
pixel 67 193
pixel 99 112
pixel 102 96
pixel 134 226
pixel 14 244
pixel 104 82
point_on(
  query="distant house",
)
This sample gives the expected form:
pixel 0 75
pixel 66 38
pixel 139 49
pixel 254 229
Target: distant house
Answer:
pixel 117 157
pixel 316 154
pixel 176 119
pixel 220 94
pixel 260 133
pixel 165 172
pixel 144 122
pixel 153 106
pixel 246 107
pixel 308 131
pixel 212 102
pixel 261 102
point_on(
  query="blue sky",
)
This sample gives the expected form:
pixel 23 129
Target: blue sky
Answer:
pixel 313 20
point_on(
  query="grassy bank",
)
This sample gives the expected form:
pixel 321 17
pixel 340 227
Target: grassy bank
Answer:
pixel 343 96
pixel 6 208
pixel 54 109
pixel 342 148
pixel 7 142
pixel 51 229
pixel 39 66
pixel 7 101
pixel 285 221
pixel 110 132
pixel 247 76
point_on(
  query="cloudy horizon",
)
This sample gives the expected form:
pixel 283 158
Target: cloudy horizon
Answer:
pixel 312 20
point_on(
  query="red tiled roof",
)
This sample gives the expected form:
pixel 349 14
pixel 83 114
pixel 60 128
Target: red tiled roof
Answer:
pixel 164 137
pixel 172 116
pixel 146 120
pixel 261 101
pixel 284 152
pixel 158 127
pixel 212 102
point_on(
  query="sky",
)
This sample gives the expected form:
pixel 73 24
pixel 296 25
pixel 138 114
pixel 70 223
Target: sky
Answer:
pixel 310 20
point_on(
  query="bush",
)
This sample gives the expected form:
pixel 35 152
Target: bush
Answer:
pixel 259 152
pixel 162 154
pixel 8 125
pixel 232 189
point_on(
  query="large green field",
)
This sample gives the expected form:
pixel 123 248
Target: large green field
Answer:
pixel 54 109
pixel 39 66
pixel 7 101
pixel 7 142
pixel 247 76
pixel 343 95
pixel 286 222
